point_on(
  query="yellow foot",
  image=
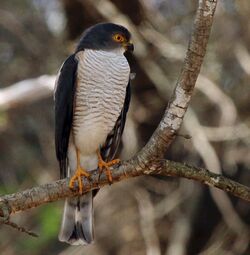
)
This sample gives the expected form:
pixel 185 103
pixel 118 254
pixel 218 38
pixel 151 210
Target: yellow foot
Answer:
pixel 78 177
pixel 106 165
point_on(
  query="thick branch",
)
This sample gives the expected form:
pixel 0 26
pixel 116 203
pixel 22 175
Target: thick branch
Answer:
pixel 57 190
pixel 171 122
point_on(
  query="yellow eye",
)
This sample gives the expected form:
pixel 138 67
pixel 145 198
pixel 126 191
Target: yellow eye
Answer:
pixel 118 38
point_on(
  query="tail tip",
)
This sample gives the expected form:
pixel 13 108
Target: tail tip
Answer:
pixel 77 236
pixel 74 241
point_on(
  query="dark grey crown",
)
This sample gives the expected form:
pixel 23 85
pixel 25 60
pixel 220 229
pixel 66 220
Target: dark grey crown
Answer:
pixel 100 36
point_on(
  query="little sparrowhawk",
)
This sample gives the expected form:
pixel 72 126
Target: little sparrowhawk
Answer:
pixel 92 96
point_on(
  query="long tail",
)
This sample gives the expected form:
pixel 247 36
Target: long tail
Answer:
pixel 77 224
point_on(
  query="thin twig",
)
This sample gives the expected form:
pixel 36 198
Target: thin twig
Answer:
pixel 19 228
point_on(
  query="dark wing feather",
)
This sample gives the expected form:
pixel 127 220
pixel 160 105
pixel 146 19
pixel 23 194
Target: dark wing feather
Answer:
pixel 109 149
pixel 64 101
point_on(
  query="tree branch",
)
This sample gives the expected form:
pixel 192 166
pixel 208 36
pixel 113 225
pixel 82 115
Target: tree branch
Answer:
pixel 174 114
pixel 57 190
pixel 26 91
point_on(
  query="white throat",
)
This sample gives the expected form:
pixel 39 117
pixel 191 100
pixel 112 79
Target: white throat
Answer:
pixel 119 51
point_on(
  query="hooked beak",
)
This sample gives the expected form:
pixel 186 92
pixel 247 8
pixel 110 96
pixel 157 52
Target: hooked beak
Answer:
pixel 129 46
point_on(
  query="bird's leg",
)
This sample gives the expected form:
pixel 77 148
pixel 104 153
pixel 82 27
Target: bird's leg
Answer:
pixel 106 165
pixel 78 175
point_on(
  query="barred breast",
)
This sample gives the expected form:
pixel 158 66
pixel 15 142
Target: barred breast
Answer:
pixel 102 78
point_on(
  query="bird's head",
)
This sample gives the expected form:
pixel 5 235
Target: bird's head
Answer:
pixel 106 36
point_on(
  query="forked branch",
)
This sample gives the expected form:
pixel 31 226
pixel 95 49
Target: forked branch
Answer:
pixel 149 159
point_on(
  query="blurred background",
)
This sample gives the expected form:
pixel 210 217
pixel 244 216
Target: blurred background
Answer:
pixel 146 215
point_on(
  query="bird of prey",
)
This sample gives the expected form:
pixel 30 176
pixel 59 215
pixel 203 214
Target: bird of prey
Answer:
pixel 92 96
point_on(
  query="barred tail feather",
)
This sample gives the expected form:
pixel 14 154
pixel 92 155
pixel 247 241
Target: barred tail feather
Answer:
pixel 77 223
